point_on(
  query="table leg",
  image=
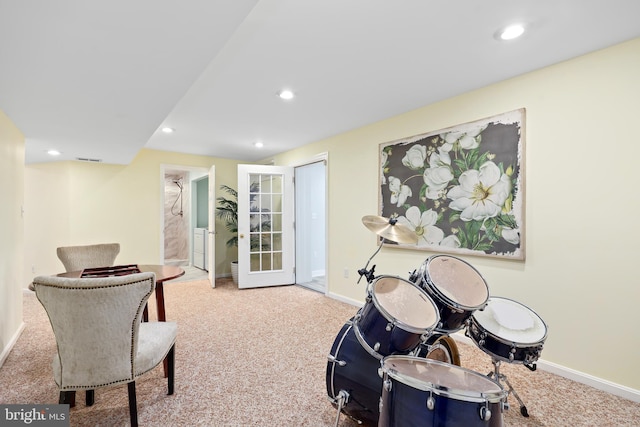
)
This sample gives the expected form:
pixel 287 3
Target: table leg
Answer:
pixel 161 315
pixel 160 301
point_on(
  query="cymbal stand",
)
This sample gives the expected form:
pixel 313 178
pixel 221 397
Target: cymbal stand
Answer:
pixel 369 273
pixel 502 377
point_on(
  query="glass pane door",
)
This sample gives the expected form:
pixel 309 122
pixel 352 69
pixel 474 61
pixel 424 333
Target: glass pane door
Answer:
pixel 266 253
pixel 265 222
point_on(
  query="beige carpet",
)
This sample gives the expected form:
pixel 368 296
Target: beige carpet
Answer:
pixel 258 357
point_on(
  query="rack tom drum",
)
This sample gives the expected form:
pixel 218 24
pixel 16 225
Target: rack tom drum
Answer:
pixel 508 331
pixel 456 287
pixel 396 317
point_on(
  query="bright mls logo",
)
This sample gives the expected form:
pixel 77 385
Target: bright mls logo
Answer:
pixel 34 415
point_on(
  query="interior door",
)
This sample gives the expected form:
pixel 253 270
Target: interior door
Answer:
pixel 266 252
pixel 211 235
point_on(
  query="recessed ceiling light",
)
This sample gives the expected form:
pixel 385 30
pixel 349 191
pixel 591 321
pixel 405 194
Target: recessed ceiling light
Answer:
pixel 53 153
pixel 168 130
pixel 286 94
pixel 511 32
pixel 258 144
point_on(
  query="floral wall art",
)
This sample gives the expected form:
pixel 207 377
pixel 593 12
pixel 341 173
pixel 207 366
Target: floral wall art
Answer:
pixel 461 189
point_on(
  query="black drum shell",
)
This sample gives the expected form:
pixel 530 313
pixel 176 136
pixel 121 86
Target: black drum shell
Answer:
pixel 373 328
pixel 501 349
pixel 453 314
pixel 359 377
pixel 405 406
pixel 404 397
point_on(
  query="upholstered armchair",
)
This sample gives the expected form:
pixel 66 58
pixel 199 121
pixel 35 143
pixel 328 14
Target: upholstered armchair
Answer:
pixel 76 258
pixel 100 338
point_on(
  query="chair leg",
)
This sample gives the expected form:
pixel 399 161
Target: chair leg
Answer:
pixel 133 404
pixel 68 398
pixel 171 363
pixel 90 397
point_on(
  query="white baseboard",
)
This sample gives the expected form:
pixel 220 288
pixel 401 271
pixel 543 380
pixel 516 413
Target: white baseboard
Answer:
pixel 571 374
pixel 10 344
pixel 349 301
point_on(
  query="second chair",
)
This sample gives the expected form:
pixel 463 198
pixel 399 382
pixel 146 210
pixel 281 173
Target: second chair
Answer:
pixel 76 258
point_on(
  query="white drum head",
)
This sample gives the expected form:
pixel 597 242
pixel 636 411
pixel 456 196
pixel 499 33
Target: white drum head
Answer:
pixel 511 321
pixel 403 301
pixel 457 281
pixel 431 375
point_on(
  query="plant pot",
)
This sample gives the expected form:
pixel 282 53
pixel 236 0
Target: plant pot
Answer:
pixel 234 271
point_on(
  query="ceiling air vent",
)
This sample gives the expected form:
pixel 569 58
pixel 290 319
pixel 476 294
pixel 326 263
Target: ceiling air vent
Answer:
pixel 86 159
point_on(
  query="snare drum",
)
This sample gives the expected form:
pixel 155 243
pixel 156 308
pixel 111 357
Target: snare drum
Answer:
pixel 425 392
pixel 396 316
pixel 455 286
pixel 508 331
pixel 353 371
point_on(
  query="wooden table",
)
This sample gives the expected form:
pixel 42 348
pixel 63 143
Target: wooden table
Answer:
pixel 163 273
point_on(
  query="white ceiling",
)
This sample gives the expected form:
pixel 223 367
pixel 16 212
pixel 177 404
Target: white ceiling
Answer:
pixel 99 79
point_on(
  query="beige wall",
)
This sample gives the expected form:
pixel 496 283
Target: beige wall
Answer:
pixel 76 203
pixel 580 273
pixel 11 235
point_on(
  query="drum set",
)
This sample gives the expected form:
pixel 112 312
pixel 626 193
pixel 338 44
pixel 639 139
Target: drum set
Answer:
pixel 395 364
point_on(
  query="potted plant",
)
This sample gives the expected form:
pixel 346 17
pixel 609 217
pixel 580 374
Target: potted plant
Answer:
pixel 227 212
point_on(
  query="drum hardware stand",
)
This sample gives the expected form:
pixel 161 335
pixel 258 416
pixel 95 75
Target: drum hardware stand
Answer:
pixel 502 377
pixel 363 272
pixel 341 400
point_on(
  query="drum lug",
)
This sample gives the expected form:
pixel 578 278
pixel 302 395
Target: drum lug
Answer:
pixel 512 353
pixel 387 385
pixel 376 347
pixel 482 339
pixel 424 338
pixel 485 412
pixel 431 402
pixel 333 359
pixel 389 327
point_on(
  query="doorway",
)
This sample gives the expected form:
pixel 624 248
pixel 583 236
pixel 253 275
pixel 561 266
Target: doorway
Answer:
pixel 176 214
pixel 311 211
pixel 180 212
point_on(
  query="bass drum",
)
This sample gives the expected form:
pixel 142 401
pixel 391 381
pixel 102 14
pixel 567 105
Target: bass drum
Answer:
pixel 353 382
pixel 423 392
pixel 442 348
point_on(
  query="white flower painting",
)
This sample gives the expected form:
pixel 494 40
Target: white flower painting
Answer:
pixel 461 189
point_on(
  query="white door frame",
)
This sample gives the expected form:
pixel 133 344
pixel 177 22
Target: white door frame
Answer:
pixel 322 157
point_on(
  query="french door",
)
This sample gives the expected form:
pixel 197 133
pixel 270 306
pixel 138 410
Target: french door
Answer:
pixel 266 252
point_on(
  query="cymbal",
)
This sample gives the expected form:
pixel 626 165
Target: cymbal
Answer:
pixel 389 229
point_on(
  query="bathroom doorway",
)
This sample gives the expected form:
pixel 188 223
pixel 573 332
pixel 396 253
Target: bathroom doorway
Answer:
pixel 179 214
pixel 176 217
